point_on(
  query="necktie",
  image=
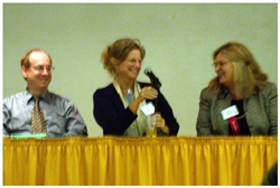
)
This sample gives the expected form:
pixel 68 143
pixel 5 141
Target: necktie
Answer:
pixel 37 118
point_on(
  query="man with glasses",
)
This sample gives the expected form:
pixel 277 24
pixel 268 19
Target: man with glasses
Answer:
pixel 36 111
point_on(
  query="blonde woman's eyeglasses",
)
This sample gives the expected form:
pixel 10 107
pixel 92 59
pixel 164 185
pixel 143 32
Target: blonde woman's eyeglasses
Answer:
pixel 221 64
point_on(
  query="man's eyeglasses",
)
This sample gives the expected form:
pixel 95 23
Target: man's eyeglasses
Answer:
pixel 42 68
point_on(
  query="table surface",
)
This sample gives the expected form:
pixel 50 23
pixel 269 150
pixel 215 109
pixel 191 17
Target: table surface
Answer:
pixel 113 160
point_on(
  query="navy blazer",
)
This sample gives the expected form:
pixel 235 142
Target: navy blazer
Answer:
pixel 110 114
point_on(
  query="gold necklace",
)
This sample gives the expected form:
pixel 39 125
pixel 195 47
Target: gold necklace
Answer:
pixel 240 117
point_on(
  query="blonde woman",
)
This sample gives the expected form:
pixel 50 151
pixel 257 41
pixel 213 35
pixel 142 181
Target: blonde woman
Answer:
pixel 242 85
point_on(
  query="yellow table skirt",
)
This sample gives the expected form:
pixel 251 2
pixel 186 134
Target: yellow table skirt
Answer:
pixel 138 161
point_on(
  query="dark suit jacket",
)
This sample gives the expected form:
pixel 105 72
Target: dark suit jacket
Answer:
pixel 110 114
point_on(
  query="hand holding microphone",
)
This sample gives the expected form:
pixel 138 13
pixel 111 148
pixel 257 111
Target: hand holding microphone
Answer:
pixel 149 93
pixel 159 121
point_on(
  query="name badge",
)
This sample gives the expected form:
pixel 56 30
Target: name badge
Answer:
pixel 148 109
pixel 230 112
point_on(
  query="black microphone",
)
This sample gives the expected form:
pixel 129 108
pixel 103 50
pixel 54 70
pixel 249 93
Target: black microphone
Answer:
pixel 154 80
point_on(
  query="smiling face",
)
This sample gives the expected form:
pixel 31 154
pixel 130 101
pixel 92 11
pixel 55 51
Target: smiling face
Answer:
pixel 224 69
pixel 38 75
pixel 129 69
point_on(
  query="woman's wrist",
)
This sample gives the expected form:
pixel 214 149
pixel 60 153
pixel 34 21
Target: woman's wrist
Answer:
pixel 134 105
pixel 165 129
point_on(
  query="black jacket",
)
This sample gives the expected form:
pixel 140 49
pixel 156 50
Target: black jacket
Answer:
pixel 114 119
